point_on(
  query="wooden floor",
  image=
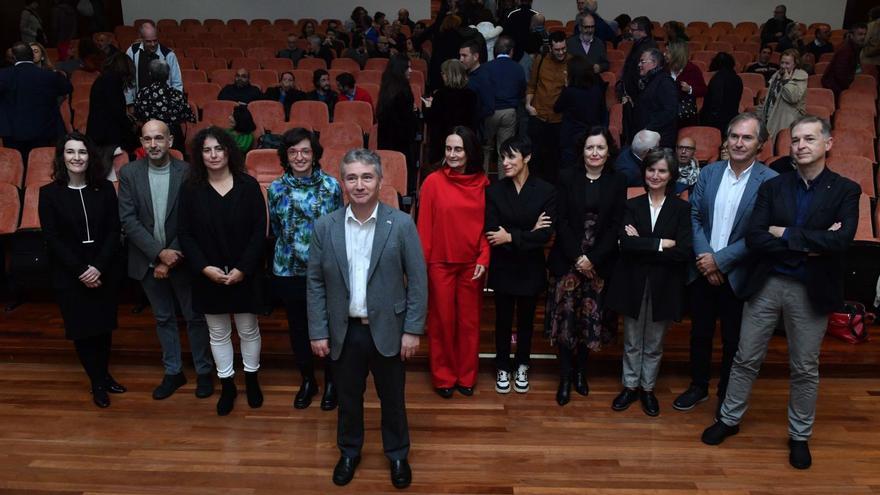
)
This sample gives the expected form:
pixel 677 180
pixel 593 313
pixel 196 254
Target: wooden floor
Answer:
pixel 55 441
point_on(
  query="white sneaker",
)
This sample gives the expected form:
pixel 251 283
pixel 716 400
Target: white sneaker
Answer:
pixel 502 382
pixel 521 383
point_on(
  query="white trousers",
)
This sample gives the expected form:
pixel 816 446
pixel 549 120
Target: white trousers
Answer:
pixel 220 330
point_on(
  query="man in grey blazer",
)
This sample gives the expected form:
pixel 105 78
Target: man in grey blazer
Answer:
pixel 721 206
pixel 587 45
pixel 148 190
pixel 367 295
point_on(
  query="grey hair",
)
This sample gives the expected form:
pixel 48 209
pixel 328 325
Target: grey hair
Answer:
pixel 644 141
pixel 656 55
pixel 763 134
pixel 812 119
pixel 158 70
pixel 362 155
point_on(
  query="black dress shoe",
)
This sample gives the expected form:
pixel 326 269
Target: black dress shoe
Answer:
pixel 401 474
pixel 113 386
pixel 690 398
pixel 580 383
pixel 716 433
pixel 466 391
pixel 344 470
pixel 649 403
pixel 799 454
pixel 204 385
pixel 307 390
pixel 100 397
pixel 624 399
pixel 563 393
pixel 169 385
pixel 329 401
pixel 446 393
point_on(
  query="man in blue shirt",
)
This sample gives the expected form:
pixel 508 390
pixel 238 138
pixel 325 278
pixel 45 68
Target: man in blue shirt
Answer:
pixel 508 83
pixel 478 79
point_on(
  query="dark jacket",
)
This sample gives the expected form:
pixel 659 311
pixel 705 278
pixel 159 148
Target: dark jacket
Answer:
pixel 29 102
pixel 225 233
pixel 841 72
pixel 508 82
pixel 518 267
pixel 294 95
pixel 332 98
pixel 597 54
pixel 570 210
pixel 449 108
pixel 822 251
pixel 108 123
pixel 245 95
pixel 657 108
pixel 721 103
pixel 397 123
pixel 641 261
pixel 772 27
pixel 630 78
pixel 581 109
pixel 629 165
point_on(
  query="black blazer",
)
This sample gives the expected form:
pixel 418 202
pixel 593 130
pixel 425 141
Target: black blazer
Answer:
pixel 641 261
pixel 294 95
pixel 108 123
pixel 232 237
pixel 836 200
pixel 657 109
pixel 29 102
pixel 570 204
pixel 518 267
pixel 721 103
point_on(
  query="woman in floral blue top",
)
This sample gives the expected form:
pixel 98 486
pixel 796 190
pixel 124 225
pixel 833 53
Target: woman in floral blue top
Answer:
pixel 297 199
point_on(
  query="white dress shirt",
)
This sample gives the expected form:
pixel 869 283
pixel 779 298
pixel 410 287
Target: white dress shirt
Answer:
pixel 655 212
pixel 727 200
pixel 358 250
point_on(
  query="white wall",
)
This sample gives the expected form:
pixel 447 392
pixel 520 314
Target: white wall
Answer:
pixel 806 11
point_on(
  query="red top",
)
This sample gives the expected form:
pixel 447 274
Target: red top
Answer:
pixel 692 75
pixel 452 212
pixel 359 95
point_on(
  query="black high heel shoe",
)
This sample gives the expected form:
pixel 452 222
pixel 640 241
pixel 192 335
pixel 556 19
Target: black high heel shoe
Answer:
pixel 100 397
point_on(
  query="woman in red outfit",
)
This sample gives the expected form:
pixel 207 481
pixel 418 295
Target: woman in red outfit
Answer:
pixel 688 79
pixel 450 224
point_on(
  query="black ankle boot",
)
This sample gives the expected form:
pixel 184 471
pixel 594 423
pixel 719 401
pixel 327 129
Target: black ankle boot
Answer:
pixel 328 401
pixel 307 390
pixel 580 383
pixel 252 385
pixel 228 393
pixel 563 394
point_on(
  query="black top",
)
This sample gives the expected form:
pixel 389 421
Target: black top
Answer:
pixel 657 108
pixel 108 123
pixel 630 79
pixel 287 99
pixel 449 108
pixel 245 95
pixel 397 123
pixel 29 102
pixel 226 232
pixel 721 103
pixel 330 98
pixel 518 267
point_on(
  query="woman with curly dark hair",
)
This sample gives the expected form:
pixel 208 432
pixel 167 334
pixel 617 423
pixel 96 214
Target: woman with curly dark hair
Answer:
pixel 80 223
pixel 222 228
pixel 589 200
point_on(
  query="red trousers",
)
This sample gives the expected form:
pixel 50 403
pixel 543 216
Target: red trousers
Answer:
pixel 454 304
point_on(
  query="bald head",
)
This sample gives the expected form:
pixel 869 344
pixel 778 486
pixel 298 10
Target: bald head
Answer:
pixel 149 37
pixel 157 140
pixel 538 20
pixel 685 150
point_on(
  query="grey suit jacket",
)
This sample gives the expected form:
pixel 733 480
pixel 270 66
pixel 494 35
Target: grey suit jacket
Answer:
pixel 597 54
pixel 397 281
pixel 734 260
pixel 137 217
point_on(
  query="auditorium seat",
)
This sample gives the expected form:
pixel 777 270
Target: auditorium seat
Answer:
pixel 66 115
pixel 191 76
pixel 261 53
pixel 286 25
pixel 702 65
pixel 373 90
pixel 311 64
pixel 263 165
pixel 368 76
pixel 394 171
pixel 202 92
pixel 632 192
pixel 304 77
pixel 419 64
pixel 277 64
pixel 819 111
pixel 375 63
pixel 783 142
pixel 217 112
pixel 857 168
pixel 223 77
pixel 720 46
pixel 417 77
pixel 39 165
pixel 864 231
pixel 708 141
pixel 309 114
pixel 250 64
pixel 418 91
pixel 229 53
pixel 186 63
pixel 11 167
pixel 704 56
pixel 260 23
pixel 185 23
pixel 610 79
pixel 743 59
pixel 855 119
pixel 820 67
pixel 864 83
pixel 358 112
pixel 344 135
pixel 81 92
pixel 211 64
pixel 82 76
pixel 821 96
pixel 747 99
pixel 814 81
pixel 268 116
pixel 198 52
pixel 237 24
pixel 854 99
pixel 10 208
pixel 264 78
pixel 332 160
pixel 345 64
pixel 30 215
pixel 733 39
pixel 707 78
pixel 334 73
pixel 853 143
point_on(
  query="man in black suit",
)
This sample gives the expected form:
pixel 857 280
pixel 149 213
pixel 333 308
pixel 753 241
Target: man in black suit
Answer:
pixel 775 27
pixel 286 92
pixel 29 115
pixel 801 227
pixel 587 45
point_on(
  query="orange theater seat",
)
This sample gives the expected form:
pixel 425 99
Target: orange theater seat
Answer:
pixel 10 208
pixel 30 216
pixel 263 165
pixel 11 167
pixel 708 141
pixel 201 92
pixel 311 64
pixel 343 135
pixel 394 169
pixel 309 114
pixel 268 116
pixel 217 112
pixel 856 168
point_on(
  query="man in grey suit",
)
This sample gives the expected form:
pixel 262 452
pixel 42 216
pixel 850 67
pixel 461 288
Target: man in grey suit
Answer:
pixel 587 45
pixel 367 295
pixel 148 190
pixel 721 207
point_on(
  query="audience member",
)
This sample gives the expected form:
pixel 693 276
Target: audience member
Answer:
pixel 293 51
pixel 821 43
pixel 146 50
pixel 297 199
pixel 158 101
pixel 30 24
pixel 517 25
pixel 479 80
pixel 763 65
pixel 348 90
pixel 80 225
pixel 590 203
pixel 775 28
pixel 148 193
pixel 582 105
pixel 222 229
pixel 546 82
pixel 451 227
pixel 322 91
pixel 603 30
pixel 870 54
pixel 657 105
pixel 285 93
pixel 396 119
pixel 721 209
pixel 628 88
pixel 793 39
pixel 721 102
pixel 800 247
pixel 307 29
pixel 675 31
pixel 688 80
pixel 241 90
pixel 507 88
pixel 358 50
pixel 583 44
pixel 109 123
pixel 382 48
pixel 41 58
pixel 446 44
pixel 647 286
pixel 841 72
pixel 688 166
pixel 452 105
pixel 241 128
pixel 629 162
pixel 403 18
pixel 786 98
pixel 520 212
pixel 64 26
pixel 105 43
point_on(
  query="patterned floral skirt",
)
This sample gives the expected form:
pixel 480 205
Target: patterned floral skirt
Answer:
pixel 575 312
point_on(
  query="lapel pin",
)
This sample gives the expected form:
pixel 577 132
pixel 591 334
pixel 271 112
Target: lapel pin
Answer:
pixel 388 221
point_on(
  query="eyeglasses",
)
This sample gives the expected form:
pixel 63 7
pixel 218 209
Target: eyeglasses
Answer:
pixel 687 148
pixel 301 152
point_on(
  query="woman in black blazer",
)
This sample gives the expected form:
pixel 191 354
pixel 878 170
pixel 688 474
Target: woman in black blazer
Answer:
pixel 590 199
pixel 520 210
pixel 222 230
pixel 80 223
pixel 648 283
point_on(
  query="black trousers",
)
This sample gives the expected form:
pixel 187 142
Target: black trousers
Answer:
pixel 525 322
pixel 710 303
pixel 292 291
pixel 573 359
pixel 360 357
pixel 545 148
pixel 94 355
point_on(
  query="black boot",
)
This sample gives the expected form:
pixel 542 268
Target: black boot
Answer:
pixel 563 395
pixel 328 402
pixel 252 385
pixel 307 390
pixel 228 392
pixel 580 383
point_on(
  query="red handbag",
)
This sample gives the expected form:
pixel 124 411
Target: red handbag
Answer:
pixel 851 323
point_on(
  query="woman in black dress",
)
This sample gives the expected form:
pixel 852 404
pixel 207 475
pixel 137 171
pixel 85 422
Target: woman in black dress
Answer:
pixel 109 123
pixel 395 112
pixel 222 232
pixel 590 200
pixel 80 222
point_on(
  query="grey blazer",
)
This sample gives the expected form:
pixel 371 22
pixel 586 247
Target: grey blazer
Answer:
pixel 596 55
pixel 733 260
pixel 137 218
pixel 397 281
